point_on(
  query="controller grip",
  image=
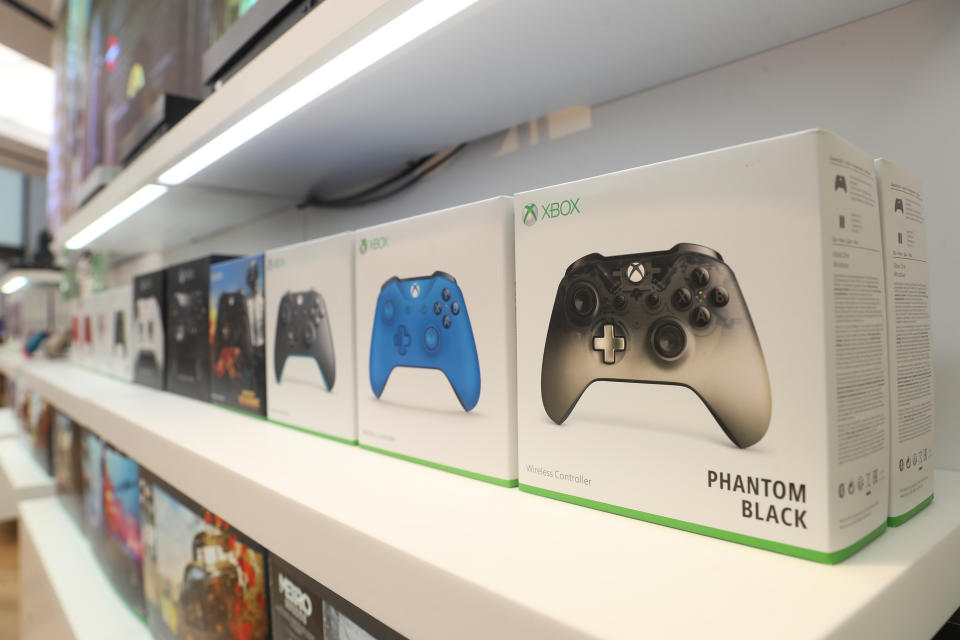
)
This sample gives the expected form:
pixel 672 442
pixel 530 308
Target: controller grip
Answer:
pixel 740 403
pixel 464 378
pixel 380 363
pixel 560 383
pixel 279 358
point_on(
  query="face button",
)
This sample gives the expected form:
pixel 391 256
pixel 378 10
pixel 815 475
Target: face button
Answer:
pixel 445 294
pixel 389 311
pixel 583 301
pixel 635 272
pixel 401 340
pixel 317 308
pixel 609 344
pixel 653 300
pixel 437 308
pixel 291 336
pixel 719 297
pixel 455 307
pixel 309 334
pixel 431 339
pixel 682 298
pixel 669 340
pixel 447 321
pixel 699 277
pixel 700 317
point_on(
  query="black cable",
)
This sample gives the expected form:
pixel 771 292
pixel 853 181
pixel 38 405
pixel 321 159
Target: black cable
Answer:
pixel 30 13
pixel 403 173
pixel 369 195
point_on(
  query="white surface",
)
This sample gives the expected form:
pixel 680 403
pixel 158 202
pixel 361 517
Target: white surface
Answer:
pixel 8 422
pixel 26 113
pixel 85 599
pixel 23 473
pixel 398 538
pixel 504 62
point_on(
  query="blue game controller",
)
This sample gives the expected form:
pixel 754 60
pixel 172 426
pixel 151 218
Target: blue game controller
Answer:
pixel 423 322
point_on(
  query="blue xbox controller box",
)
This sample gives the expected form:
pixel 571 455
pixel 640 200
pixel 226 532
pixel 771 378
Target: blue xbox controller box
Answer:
pixel 436 353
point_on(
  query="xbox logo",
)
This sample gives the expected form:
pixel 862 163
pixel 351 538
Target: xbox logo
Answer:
pixel 363 245
pixel 530 214
pixel 635 272
pixel 415 290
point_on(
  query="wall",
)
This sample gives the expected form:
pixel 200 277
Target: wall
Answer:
pixel 890 83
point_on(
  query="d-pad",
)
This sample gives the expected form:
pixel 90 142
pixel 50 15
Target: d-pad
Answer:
pixel 401 340
pixel 609 344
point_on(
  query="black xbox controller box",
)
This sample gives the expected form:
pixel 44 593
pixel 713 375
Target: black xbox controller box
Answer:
pixel 310 355
pixel 187 327
pixel 304 609
pixel 148 334
pixel 237 339
pixel 741 293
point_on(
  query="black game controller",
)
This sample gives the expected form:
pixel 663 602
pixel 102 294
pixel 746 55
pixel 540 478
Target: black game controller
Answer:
pixel 840 182
pixel 119 333
pixel 233 327
pixel 188 323
pixel 667 317
pixel 303 329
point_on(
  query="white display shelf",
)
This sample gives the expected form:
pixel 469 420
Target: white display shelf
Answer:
pixel 8 423
pixel 497 64
pixel 53 545
pixel 23 474
pixel 435 555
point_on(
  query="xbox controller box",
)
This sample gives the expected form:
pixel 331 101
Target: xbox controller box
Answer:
pixel 304 609
pixel 237 334
pixel 436 347
pixel 908 341
pixel 188 330
pixel 742 290
pixel 310 346
pixel 118 316
pixel 148 333
pixel 202 578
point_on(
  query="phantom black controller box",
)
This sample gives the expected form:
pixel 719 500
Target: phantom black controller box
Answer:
pixel 701 343
pixel 187 327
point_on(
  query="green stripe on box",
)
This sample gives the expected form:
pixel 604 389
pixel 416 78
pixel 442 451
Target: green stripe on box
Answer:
pixel 779 547
pixel 896 521
pixel 442 467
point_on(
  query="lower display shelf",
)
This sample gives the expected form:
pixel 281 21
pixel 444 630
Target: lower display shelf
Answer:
pixel 23 473
pixel 436 555
pixel 64 591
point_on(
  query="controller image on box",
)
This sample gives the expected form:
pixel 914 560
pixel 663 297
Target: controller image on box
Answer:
pixel 188 321
pixel 668 317
pixel 303 329
pixel 423 322
pixel 233 331
pixel 119 333
pixel 149 333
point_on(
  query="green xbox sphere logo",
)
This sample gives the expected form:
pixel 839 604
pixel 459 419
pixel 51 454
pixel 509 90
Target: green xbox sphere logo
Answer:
pixel 530 214
pixel 363 245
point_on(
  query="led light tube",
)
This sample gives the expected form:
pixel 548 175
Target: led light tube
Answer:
pixel 403 29
pixel 14 284
pixel 144 196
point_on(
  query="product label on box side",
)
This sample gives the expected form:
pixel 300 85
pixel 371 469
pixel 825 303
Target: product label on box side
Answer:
pixel 908 316
pixel 857 346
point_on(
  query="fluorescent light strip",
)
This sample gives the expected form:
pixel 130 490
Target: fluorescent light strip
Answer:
pixel 115 216
pixel 402 30
pixel 14 284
